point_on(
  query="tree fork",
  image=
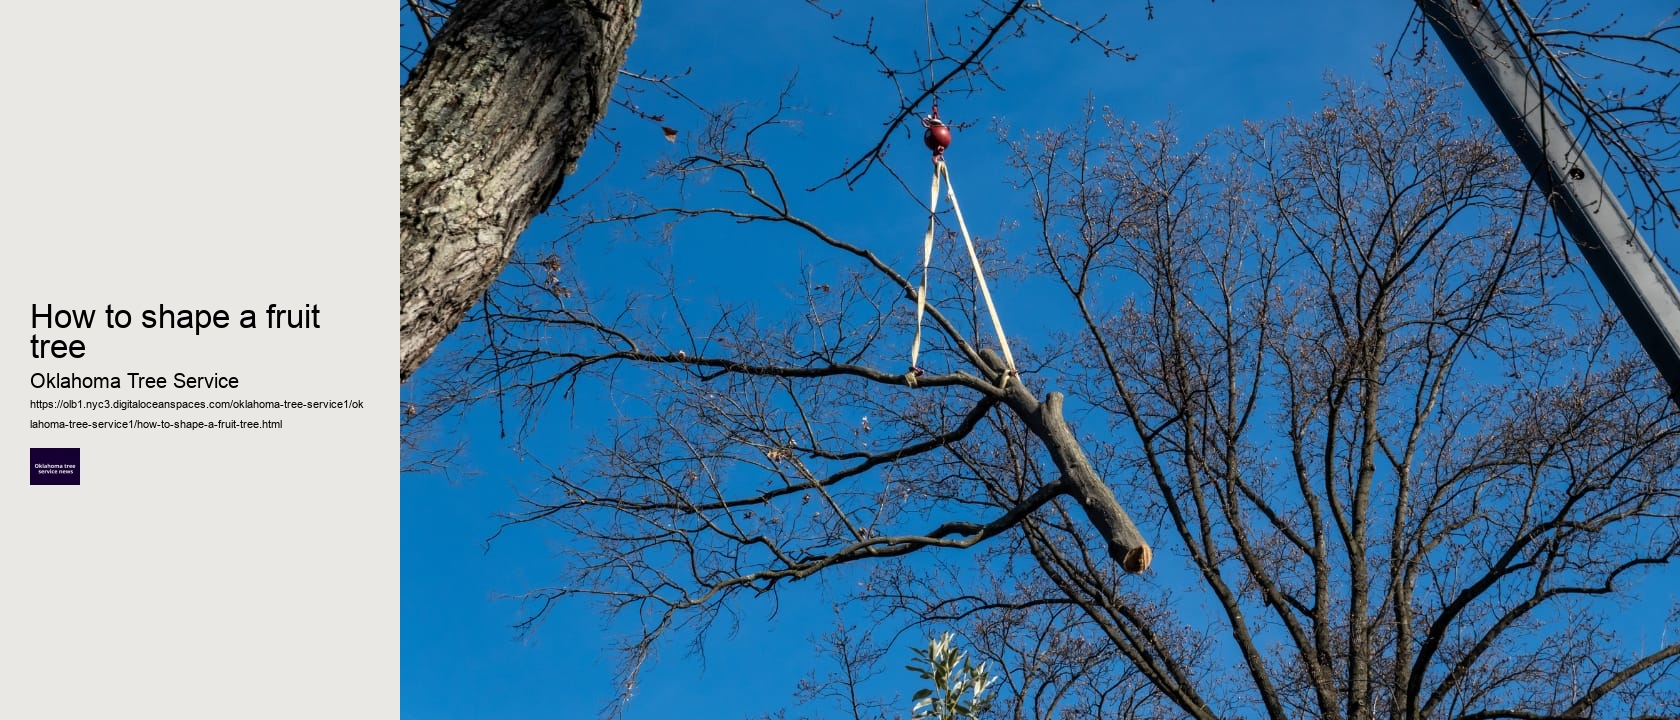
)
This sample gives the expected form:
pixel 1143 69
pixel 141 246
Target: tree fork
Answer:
pixel 493 119
pixel 1125 543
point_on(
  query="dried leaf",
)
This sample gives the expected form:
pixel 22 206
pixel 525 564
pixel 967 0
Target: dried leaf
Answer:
pixel 670 133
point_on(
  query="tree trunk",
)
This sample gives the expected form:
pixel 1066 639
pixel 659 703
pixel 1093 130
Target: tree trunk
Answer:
pixel 493 119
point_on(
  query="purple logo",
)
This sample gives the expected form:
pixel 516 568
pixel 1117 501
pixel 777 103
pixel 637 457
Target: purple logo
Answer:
pixel 55 466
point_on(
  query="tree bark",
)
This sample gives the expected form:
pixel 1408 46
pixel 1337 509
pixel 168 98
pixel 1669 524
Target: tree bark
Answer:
pixel 493 119
pixel 1126 545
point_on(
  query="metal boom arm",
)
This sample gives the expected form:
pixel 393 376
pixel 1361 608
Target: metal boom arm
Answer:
pixel 1562 170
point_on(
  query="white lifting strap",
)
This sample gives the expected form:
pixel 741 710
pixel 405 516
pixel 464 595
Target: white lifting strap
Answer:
pixel 940 171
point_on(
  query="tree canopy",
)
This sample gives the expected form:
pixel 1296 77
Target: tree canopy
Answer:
pixel 1335 367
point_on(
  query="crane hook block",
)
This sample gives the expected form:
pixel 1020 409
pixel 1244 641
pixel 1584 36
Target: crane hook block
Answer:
pixel 938 134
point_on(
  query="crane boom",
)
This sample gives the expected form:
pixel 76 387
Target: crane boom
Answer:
pixel 1561 168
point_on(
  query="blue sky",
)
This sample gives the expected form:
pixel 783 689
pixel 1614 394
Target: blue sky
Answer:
pixel 1211 65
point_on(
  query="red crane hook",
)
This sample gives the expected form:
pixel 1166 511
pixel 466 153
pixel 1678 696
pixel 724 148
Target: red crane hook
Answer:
pixel 938 134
